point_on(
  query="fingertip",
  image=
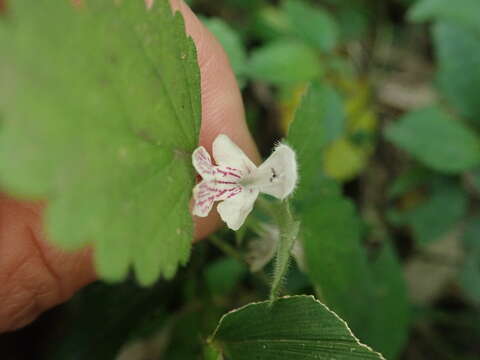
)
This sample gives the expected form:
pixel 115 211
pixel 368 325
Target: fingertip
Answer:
pixel 34 274
pixel 205 226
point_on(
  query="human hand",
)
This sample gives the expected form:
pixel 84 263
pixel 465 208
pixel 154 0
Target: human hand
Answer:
pixel 34 275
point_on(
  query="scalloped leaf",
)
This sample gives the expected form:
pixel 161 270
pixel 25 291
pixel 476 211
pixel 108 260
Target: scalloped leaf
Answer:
pixel 101 108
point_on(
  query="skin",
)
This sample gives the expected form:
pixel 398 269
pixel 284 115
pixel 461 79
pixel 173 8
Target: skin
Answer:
pixel 36 276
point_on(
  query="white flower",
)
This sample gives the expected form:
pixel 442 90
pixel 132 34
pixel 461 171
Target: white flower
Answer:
pixel 235 181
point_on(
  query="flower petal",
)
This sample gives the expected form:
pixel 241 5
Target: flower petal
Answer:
pixel 277 176
pixel 235 209
pixel 203 163
pixel 227 174
pixel 204 197
pixel 208 191
pixel 226 153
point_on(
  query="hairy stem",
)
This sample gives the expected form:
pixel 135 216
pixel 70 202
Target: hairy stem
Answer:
pixel 288 228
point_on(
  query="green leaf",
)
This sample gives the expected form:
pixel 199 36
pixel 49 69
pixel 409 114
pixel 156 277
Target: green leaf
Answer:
pixel 333 114
pixel 354 20
pixel 458 56
pixel 331 236
pixel 319 119
pixel 271 23
pixel 284 62
pixel 437 140
pixel 297 327
pixel 428 223
pixel 101 109
pixel 232 43
pixel 462 12
pixel 330 229
pixel 390 321
pixel 312 24
pixel 338 267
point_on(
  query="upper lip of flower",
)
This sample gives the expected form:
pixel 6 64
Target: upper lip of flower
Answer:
pixel 236 182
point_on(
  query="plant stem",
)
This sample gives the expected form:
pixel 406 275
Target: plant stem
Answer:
pixel 288 229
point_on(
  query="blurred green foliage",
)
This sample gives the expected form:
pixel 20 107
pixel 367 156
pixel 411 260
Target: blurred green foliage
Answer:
pixel 437 140
pixel 284 63
pixel 427 222
pixel 313 25
pixel 470 273
pixel 458 52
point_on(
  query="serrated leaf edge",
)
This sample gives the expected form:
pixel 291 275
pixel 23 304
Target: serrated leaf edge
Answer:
pixel 216 345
